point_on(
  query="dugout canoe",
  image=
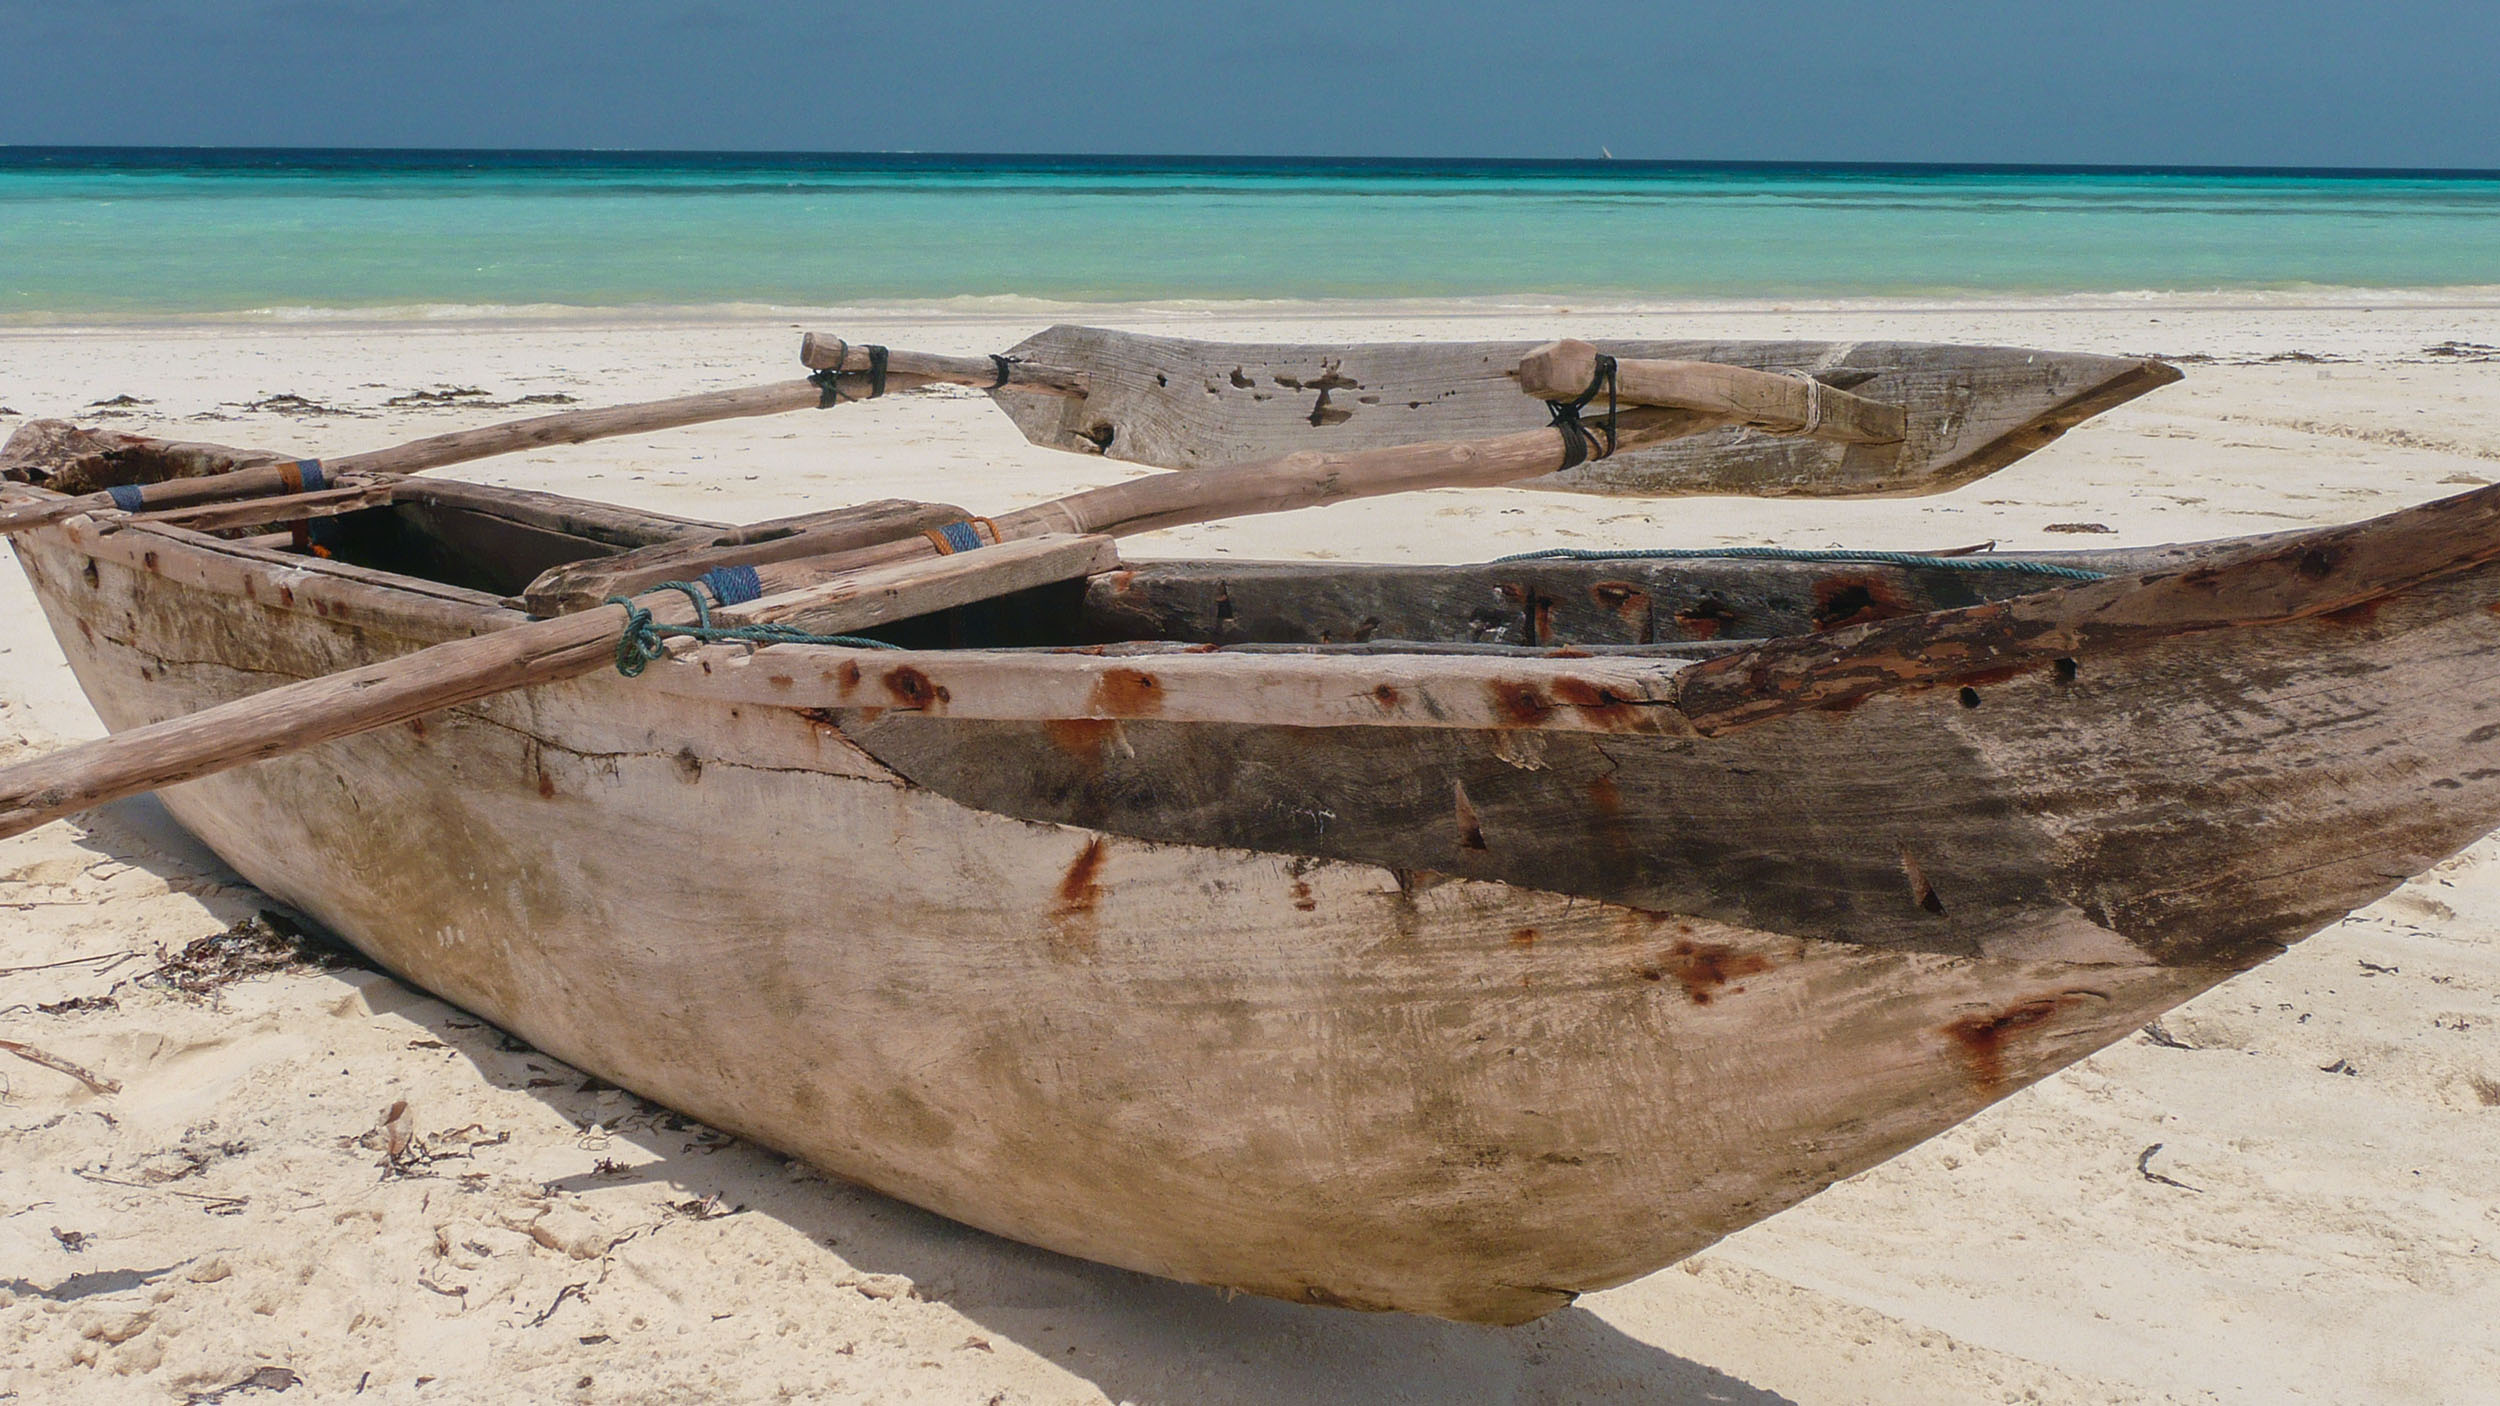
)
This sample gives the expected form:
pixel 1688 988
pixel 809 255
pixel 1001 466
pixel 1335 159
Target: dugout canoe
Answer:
pixel 1443 939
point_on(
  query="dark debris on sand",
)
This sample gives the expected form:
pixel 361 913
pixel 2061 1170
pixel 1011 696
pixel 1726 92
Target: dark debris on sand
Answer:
pixel 262 945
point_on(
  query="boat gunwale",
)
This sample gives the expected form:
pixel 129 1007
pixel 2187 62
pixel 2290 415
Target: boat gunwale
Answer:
pixel 2275 578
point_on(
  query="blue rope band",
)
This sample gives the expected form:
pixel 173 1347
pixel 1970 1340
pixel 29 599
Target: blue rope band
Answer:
pixel 733 585
pixel 960 537
pixel 641 642
pixel 314 482
pixel 1910 559
pixel 127 497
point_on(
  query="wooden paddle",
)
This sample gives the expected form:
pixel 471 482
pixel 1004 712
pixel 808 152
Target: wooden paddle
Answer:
pixel 846 373
pixel 833 593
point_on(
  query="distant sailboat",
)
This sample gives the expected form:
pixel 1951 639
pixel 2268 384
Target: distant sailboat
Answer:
pixel 1609 155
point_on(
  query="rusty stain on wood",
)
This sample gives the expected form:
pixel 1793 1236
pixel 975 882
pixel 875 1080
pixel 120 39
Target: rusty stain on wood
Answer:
pixel 910 688
pixel 1981 1039
pixel 1074 922
pixel 1856 600
pixel 1518 704
pixel 1703 969
pixel 1628 602
pixel 1127 693
pixel 1081 738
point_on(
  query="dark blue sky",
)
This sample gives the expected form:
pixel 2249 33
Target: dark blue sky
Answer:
pixel 2411 83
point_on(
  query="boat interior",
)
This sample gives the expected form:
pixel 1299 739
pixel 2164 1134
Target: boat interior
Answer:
pixel 496 541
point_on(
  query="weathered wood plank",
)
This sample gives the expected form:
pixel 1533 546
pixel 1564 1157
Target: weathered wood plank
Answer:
pixel 2303 766
pixel 605 523
pixel 581 585
pixel 1618 696
pixel 877 595
pixel 1187 404
pixel 1533 603
pixel 352 495
pixel 2344 572
pixel 75 460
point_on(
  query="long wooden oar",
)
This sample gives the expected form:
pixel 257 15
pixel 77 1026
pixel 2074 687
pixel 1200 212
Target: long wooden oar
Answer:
pixel 828 594
pixel 848 373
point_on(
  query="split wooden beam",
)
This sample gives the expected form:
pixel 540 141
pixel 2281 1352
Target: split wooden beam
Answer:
pixel 1740 395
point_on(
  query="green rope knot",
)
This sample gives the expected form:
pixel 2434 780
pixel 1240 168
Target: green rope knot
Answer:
pixel 641 642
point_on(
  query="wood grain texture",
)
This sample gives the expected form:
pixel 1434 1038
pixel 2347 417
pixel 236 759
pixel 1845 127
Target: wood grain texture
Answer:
pixel 1323 1081
pixel 76 460
pixel 351 495
pixel 1757 400
pixel 1267 1019
pixel 878 595
pixel 1184 404
pixel 1547 603
pixel 580 585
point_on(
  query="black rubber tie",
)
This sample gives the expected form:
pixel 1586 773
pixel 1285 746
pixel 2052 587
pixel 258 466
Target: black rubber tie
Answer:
pixel 1579 441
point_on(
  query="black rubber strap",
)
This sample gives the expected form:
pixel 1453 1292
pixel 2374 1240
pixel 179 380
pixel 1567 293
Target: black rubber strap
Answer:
pixel 829 380
pixel 1003 363
pixel 1579 441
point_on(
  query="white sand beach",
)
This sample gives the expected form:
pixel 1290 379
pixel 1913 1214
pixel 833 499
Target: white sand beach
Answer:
pixel 2295 1199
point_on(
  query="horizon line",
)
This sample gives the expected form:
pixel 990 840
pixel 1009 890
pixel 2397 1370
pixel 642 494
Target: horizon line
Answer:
pixel 11 150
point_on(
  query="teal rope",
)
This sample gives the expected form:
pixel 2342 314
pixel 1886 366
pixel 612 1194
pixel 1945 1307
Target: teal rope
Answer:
pixel 1970 563
pixel 640 644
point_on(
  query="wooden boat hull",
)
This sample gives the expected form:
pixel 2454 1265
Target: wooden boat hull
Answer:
pixel 1186 404
pixel 1155 983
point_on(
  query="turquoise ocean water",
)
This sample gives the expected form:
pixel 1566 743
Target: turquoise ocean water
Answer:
pixel 97 234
